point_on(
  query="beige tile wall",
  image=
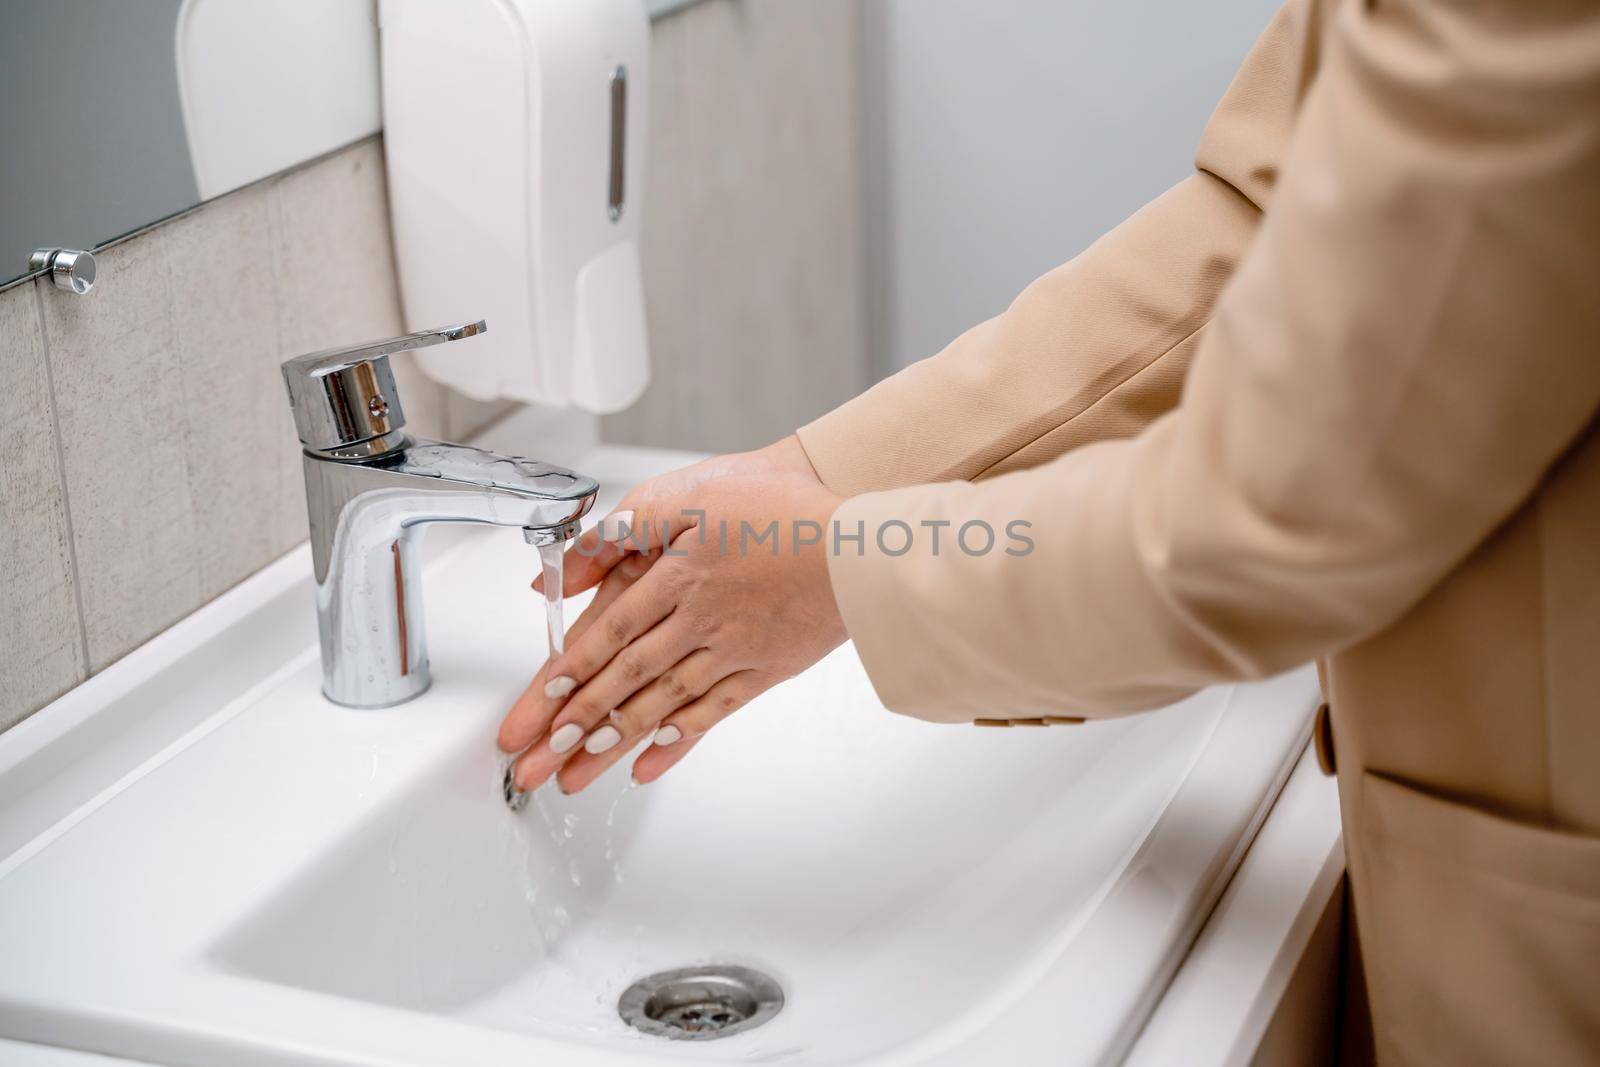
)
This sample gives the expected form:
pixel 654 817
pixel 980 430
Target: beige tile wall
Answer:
pixel 41 643
pixel 148 457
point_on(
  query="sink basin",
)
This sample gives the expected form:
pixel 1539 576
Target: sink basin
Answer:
pixel 278 880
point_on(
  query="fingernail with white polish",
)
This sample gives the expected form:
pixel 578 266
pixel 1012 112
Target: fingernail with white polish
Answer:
pixel 563 739
pixel 520 776
pixel 602 739
pixel 613 527
pixel 667 735
pixel 556 688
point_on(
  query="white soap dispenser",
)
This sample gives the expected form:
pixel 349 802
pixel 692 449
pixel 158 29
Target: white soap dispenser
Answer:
pixel 515 137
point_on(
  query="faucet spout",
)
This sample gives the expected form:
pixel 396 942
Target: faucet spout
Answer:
pixel 367 524
pixel 371 493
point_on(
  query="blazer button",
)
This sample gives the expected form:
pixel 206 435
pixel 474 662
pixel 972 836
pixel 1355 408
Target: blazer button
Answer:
pixel 1322 741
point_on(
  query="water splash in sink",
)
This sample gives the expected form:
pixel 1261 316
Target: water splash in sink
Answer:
pixel 611 840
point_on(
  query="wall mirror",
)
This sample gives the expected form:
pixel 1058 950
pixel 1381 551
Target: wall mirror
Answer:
pixel 116 114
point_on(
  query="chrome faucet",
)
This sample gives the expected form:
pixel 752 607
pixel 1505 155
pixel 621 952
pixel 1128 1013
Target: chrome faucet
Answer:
pixel 371 491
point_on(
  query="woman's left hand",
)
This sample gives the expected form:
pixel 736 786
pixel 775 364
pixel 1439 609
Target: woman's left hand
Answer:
pixel 720 618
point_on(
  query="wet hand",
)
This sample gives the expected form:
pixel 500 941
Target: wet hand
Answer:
pixel 676 642
pixel 599 550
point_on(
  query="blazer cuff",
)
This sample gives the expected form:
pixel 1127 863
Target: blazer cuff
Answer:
pixel 874 611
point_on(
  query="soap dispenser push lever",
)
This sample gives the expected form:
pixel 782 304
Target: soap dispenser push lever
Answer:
pixel 371 492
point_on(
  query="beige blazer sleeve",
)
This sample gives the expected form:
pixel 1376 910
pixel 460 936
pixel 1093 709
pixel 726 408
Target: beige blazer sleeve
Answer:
pixel 1408 346
pixel 1098 347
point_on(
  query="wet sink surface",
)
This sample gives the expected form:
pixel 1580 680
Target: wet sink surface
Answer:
pixel 300 883
pixel 890 875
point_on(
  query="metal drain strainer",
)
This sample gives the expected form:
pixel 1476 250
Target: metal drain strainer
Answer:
pixel 700 1003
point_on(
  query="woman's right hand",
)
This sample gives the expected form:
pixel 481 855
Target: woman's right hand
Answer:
pixel 591 559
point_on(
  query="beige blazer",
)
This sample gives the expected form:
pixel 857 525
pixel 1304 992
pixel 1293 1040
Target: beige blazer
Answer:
pixel 1332 397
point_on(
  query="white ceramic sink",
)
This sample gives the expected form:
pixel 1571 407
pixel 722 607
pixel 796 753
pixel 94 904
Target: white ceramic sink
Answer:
pixel 246 874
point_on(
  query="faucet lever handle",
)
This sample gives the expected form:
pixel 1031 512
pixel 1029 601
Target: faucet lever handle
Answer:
pixel 344 399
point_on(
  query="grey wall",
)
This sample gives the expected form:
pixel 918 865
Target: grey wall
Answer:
pixel 1004 136
pixel 91 147
pixel 752 245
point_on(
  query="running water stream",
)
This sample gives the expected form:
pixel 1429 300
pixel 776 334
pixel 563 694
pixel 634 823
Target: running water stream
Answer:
pixel 550 918
pixel 550 557
pixel 550 566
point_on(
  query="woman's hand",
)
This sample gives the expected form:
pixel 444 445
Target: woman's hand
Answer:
pixel 672 646
pixel 524 721
pixel 591 558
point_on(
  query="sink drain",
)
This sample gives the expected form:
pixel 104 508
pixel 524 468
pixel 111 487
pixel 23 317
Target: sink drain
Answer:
pixel 700 1003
